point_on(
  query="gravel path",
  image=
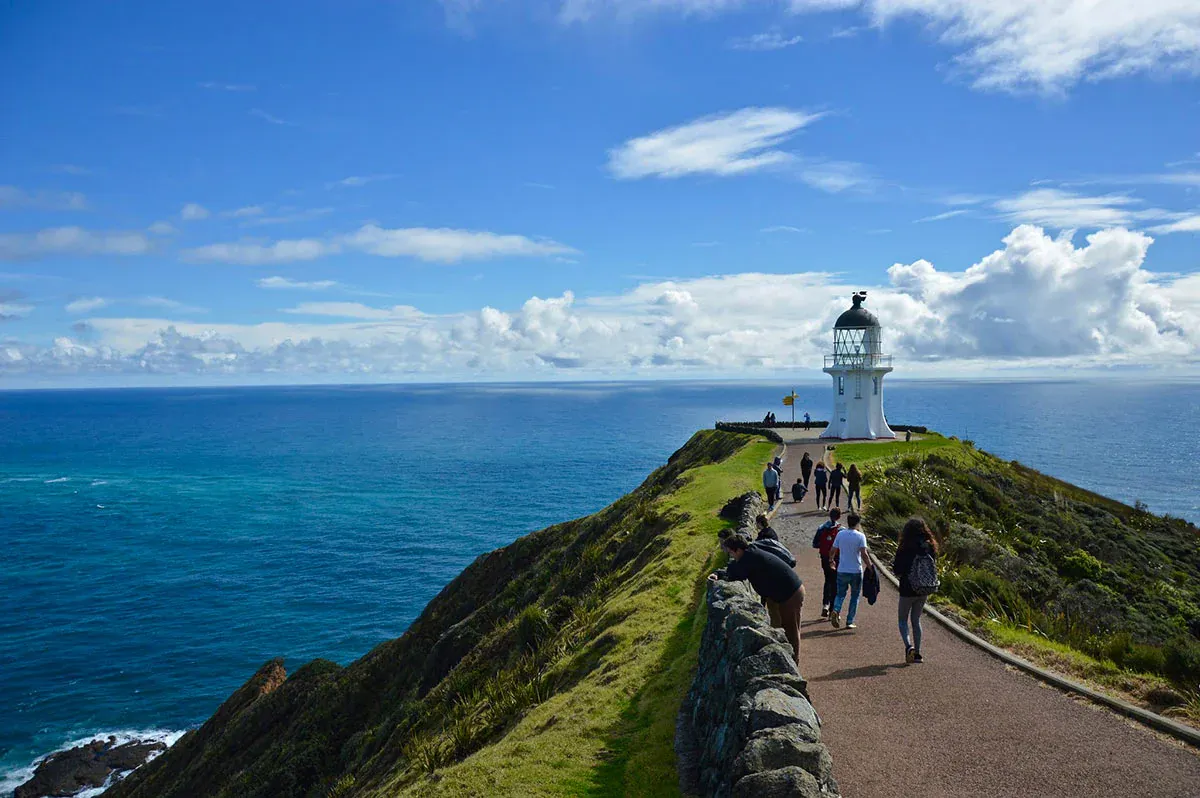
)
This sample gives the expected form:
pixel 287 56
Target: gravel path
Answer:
pixel 961 724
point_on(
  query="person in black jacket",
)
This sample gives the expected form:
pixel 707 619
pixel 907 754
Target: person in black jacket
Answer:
pixel 772 579
pixel 836 476
pixel 806 466
pixel 765 532
pixel 916 539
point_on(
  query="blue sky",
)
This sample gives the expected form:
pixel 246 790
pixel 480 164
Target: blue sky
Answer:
pixel 593 188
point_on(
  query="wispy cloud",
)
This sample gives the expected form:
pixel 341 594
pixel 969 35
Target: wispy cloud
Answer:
pixel 243 213
pixel 726 144
pixel 14 310
pixel 784 228
pixel 355 181
pixel 193 212
pixel 89 304
pixel 834 176
pixel 287 216
pixel 215 86
pixel 938 217
pixel 267 117
pixel 441 245
pixel 285 284
pixel 143 111
pixel 706 244
pixel 355 310
pixel 72 241
pixel 1185 224
pixel 162 229
pixel 761 42
pixel 12 198
pixel 71 169
pixel 86 305
pixel 1052 207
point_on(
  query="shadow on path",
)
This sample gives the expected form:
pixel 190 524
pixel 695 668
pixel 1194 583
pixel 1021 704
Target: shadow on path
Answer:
pixel 857 673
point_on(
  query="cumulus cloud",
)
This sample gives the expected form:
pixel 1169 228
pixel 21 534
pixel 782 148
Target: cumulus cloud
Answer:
pixel 193 212
pixel 283 283
pixel 72 241
pixel 12 198
pixel 725 144
pixel 1036 300
pixel 440 245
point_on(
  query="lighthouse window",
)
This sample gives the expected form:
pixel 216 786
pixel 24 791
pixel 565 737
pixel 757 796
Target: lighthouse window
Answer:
pixel 841 386
pixel 858 386
pixel 876 381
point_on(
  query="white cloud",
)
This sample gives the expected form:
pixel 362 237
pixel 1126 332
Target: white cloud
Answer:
pixel 12 198
pixel 266 117
pixel 726 144
pixel 1037 301
pixel 71 169
pixel 766 41
pixel 72 241
pixel 14 310
pixel 193 212
pixel 251 254
pixel 441 245
pixel 833 176
pixel 287 215
pixel 356 181
pixel 354 310
pixel 1186 224
pixel 284 283
pixel 215 86
pixel 1052 207
pixel 938 217
pixel 1045 46
pixel 162 229
pixel 784 228
pixel 86 305
pixel 242 213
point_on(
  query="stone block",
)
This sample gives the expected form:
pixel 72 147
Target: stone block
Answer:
pixel 789 782
pixel 773 707
pixel 783 746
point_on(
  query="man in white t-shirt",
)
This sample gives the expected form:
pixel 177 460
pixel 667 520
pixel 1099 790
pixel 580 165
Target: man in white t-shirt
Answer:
pixel 849 556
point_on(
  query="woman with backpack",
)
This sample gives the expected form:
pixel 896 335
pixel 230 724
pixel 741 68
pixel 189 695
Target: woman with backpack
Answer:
pixel 916 567
pixel 820 479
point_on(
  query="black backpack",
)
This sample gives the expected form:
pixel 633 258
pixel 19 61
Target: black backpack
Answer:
pixel 776 548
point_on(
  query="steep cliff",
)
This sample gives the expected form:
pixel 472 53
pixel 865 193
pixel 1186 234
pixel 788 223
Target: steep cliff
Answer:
pixel 553 665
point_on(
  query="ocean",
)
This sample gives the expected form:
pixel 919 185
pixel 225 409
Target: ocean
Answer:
pixel 159 545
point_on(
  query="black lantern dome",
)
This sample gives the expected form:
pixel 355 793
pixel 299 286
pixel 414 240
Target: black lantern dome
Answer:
pixel 857 317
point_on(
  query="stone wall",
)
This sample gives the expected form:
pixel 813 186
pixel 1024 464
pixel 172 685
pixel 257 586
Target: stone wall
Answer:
pixel 746 728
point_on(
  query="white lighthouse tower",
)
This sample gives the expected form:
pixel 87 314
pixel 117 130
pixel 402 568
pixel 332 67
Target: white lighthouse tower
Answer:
pixel 857 366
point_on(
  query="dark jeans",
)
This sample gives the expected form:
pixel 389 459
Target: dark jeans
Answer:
pixel 772 495
pixel 820 495
pixel 806 475
pixel 851 493
pixel 835 495
pixel 830 587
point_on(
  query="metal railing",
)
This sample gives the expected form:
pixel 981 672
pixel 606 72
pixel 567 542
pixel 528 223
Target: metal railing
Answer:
pixel 858 361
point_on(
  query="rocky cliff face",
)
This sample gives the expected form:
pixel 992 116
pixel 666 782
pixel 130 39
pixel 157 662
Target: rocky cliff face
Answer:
pixel 519 625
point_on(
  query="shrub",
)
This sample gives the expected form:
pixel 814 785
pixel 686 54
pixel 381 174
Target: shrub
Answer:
pixel 533 627
pixel 1145 659
pixel 1081 565
pixel 1182 661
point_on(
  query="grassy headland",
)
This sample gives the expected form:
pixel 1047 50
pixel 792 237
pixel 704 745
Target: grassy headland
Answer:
pixel 1072 580
pixel 552 666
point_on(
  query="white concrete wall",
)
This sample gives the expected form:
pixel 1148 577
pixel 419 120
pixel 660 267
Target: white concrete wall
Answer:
pixel 858 416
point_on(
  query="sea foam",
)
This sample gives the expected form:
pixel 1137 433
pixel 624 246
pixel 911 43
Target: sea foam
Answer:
pixel 14 778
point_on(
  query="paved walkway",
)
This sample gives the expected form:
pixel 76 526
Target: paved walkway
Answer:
pixel 962 724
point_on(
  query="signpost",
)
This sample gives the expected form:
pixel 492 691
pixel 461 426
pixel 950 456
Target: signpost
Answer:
pixel 790 401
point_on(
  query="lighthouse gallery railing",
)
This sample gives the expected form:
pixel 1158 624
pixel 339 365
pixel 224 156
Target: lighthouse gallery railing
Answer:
pixel 858 361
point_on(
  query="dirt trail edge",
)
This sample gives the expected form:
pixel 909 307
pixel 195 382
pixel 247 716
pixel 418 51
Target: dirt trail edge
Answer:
pixel 963 723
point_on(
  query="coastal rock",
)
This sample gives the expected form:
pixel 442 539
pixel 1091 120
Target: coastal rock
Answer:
pixel 789 782
pixel 88 765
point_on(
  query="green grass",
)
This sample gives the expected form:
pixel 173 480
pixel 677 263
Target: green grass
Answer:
pixel 862 452
pixel 612 733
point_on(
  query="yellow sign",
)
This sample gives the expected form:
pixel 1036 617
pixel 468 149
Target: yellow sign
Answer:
pixel 789 400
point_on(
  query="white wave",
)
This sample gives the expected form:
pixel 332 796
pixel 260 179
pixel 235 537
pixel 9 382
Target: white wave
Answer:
pixel 60 479
pixel 14 778
pixel 98 482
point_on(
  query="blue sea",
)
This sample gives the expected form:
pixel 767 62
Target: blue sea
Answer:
pixel 159 545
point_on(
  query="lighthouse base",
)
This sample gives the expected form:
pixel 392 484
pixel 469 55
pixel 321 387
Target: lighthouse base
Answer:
pixel 857 405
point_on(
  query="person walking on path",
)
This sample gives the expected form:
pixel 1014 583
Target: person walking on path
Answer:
pixel 770 480
pixel 916 543
pixel 799 489
pixel 806 466
pixel 836 477
pixel 823 542
pixel 820 478
pixel 807 421
pixel 765 532
pixel 850 558
pixel 853 487
pixel 772 579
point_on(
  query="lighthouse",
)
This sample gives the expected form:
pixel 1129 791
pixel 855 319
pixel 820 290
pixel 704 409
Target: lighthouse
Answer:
pixel 857 366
